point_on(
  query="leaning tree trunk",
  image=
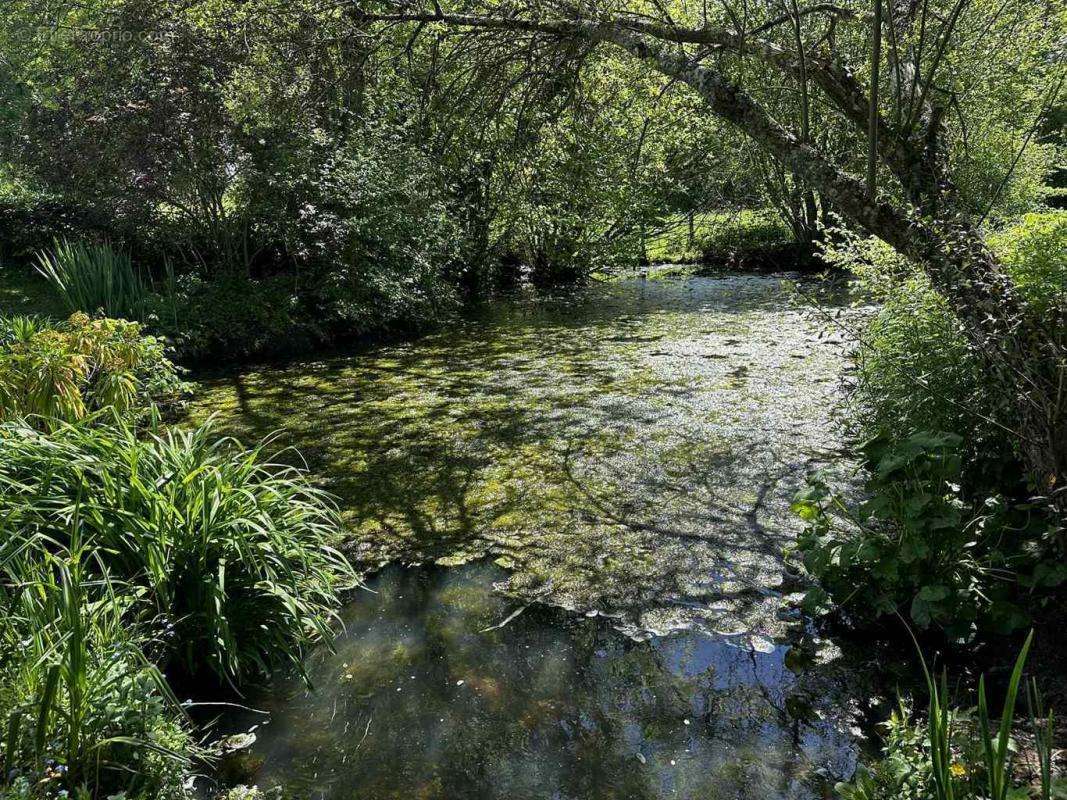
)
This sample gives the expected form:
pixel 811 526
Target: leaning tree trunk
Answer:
pixel 1026 361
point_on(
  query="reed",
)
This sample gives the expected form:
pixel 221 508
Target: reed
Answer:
pixel 82 705
pixel 992 779
pixel 94 278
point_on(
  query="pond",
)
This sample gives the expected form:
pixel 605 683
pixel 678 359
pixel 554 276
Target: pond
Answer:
pixel 584 501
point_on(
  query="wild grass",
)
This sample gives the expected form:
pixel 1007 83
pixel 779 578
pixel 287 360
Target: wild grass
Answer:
pixel 233 554
pixel 958 754
pixel 81 705
pixel 95 278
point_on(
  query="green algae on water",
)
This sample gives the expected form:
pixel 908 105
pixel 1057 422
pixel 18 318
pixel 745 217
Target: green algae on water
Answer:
pixel 629 451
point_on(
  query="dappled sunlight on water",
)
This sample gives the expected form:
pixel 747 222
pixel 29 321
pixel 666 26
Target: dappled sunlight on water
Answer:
pixel 615 466
pixel 631 450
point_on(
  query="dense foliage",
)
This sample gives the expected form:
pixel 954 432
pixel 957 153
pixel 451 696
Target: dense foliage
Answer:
pixel 234 554
pixel 65 371
pixel 84 710
pixel 280 185
pixel 258 177
pixel 952 535
pixel 123 555
pixel 128 552
pixel 920 546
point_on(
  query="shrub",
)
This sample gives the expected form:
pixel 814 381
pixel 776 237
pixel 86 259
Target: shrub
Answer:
pixel 232 553
pixel 920 546
pixel 69 370
pixel 915 369
pixel 82 710
pixel 914 372
pixel 94 278
pixel 902 772
pixel 1035 251
pixel 235 317
pixel 372 234
pixel 32 219
pixel 950 533
pixel 744 230
pixel 720 237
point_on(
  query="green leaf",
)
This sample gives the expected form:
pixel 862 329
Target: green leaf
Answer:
pixel 934 593
pixel 46 705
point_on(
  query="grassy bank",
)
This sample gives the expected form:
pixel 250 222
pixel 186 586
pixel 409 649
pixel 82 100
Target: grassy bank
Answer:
pixel 718 237
pixel 24 291
pixel 131 554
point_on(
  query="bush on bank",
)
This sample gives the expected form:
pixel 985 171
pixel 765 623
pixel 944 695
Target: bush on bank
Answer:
pixel 68 370
pixel 233 554
pixel 951 534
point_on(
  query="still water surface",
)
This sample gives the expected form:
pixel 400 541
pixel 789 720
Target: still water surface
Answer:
pixel 575 511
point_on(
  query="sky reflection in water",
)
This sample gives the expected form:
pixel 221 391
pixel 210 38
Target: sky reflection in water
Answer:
pixel 422 701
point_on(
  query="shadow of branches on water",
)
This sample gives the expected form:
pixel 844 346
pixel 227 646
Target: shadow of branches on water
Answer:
pixel 599 450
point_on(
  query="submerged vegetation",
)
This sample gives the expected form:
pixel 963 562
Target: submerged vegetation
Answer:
pixel 569 440
pixel 223 181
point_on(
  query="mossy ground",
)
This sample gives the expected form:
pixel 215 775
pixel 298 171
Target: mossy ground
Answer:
pixel 23 291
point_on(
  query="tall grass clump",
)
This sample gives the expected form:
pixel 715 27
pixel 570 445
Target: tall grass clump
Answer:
pixel 83 713
pixel 233 554
pixel 93 278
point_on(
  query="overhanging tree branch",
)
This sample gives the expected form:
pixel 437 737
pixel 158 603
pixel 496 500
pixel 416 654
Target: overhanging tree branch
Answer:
pixel 843 90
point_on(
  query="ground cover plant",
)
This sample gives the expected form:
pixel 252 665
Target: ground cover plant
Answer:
pixel 964 754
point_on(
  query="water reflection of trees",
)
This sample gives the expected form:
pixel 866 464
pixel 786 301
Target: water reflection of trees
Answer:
pixel 549 706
